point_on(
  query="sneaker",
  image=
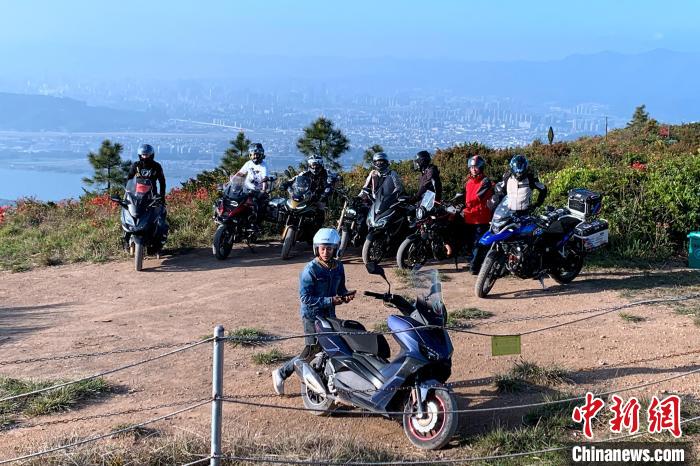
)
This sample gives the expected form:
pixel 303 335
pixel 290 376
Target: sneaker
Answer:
pixel 278 382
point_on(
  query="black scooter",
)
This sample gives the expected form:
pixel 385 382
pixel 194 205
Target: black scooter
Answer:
pixel 143 219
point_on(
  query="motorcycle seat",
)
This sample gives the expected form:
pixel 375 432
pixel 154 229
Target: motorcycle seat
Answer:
pixel 370 343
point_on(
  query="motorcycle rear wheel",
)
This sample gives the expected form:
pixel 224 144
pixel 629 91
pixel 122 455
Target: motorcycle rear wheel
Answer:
pixel 569 270
pixel 487 275
pixel 411 253
pixel 222 244
pixel 438 424
pixel 138 256
pixel 289 238
pixel 318 405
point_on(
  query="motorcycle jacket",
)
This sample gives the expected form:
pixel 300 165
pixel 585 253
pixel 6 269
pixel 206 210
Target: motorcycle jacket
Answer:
pixel 318 284
pixel 376 180
pixel 429 181
pixel 519 192
pixel 478 190
pixel 149 169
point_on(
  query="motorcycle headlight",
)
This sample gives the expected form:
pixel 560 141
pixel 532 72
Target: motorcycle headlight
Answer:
pixel 129 220
pixel 233 204
pixel 381 223
pixel 420 213
pixel 350 213
pixel 132 210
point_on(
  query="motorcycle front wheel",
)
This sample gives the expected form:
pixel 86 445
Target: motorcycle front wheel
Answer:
pixel 138 256
pixel 488 274
pixel 412 252
pixel 438 424
pixel 289 238
pixel 223 242
pixel 344 240
pixel 373 251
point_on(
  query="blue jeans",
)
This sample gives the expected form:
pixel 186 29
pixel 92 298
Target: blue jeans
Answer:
pixel 310 349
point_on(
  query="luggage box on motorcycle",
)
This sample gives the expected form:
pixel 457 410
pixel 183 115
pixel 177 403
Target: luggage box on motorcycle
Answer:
pixel 593 234
pixel 274 209
pixel 583 203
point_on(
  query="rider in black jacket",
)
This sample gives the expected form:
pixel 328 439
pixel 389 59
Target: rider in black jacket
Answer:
pixel 146 167
pixel 429 176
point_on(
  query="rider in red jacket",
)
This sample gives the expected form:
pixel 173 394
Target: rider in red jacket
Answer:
pixel 477 215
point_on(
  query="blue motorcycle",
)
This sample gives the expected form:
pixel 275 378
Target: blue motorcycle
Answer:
pixel 554 244
pixel 356 370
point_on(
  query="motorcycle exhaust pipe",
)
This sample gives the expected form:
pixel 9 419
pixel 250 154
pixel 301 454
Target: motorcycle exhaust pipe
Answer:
pixel 309 377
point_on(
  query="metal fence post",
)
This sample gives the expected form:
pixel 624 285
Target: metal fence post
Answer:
pixel 217 392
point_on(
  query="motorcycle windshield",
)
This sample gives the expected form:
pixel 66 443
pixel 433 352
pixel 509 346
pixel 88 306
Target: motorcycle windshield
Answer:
pixel 139 192
pixel 427 287
pixel 502 216
pixel 300 190
pixel 235 189
pixel 386 196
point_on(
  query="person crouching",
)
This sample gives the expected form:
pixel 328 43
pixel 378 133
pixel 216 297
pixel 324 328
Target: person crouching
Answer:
pixel 321 289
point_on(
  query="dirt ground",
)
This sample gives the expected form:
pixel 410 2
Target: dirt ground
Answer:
pixel 102 307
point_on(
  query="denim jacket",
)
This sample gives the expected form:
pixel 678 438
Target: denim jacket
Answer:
pixel 317 287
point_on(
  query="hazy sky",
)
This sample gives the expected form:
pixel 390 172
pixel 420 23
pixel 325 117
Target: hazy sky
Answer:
pixel 36 30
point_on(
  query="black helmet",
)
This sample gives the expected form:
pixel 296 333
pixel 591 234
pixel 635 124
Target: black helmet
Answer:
pixel 422 160
pixel 380 161
pixel 256 152
pixel 518 165
pixel 146 152
pixel 476 161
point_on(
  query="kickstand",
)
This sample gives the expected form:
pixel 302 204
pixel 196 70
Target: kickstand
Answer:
pixel 541 279
pixel 456 262
pixel 250 246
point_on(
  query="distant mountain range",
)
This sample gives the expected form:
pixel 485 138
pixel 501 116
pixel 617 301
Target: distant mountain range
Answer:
pixel 20 112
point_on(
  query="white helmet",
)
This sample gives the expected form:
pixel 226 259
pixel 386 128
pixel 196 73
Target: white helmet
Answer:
pixel 315 164
pixel 327 237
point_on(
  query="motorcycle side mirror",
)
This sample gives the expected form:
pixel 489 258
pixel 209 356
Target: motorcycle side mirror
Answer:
pixel 374 268
pixel 286 173
pixel 458 197
pixel 115 199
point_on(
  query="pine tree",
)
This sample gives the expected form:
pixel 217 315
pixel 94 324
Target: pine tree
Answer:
pixel 550 135
pixel 110 169
pixel 639 118
pixel 369 153
pixel 323 140
pixel 235 156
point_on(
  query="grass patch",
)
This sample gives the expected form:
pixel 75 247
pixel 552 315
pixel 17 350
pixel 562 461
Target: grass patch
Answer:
pixel 627 317
pixel 269 357
pixel 524 374
pixel 137 433
pixel 404 277
pixel 471 313
pixel 696 321
pixel 245 333
pixel 690 407
pixel 184 448
pixel 687 310
pixel 381 327
pixel 49 402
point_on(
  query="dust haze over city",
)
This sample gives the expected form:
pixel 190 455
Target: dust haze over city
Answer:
pixel 407 75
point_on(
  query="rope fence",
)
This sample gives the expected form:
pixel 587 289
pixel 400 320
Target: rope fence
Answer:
pixel 218 397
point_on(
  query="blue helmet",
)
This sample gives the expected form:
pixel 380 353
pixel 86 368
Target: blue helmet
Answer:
pixel 327 237
pixel 146 152
pixel 518 165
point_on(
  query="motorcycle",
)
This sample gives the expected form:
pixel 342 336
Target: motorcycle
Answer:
pixel 299 213
pixel 388 223
pixel 437 224
pixel 355 369
pixel 553 244
pixel 143 219
pixel 352 224
pixel 236 215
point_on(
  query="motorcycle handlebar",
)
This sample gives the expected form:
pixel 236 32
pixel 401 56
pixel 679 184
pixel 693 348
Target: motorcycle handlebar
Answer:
pixel 375 295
